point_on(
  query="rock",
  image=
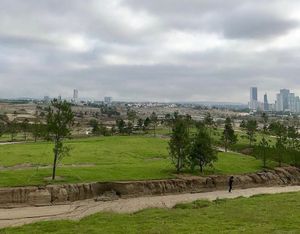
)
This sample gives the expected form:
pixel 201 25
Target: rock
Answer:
pixel 107 196
pixel 40 197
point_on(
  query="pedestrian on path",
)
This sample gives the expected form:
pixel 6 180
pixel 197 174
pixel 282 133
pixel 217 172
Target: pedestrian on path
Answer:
pixel 230 183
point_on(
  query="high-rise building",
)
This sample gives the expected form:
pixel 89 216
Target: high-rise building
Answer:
pixel 75 95
pixel 253 104
pixel 107 100
pixel 266 103
pixel 253 93
pixel 283 100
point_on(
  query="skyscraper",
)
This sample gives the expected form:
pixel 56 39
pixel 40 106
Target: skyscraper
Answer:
pixel 266 103
pixel 75 95
pixel 253 93
pixel 253 104
pixel 282 100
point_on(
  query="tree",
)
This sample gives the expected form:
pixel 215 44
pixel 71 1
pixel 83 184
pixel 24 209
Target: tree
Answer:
pixel 209 122
pixel 147 123
pixel 37 130
pixel 202 151
pixel 131 115
pixel 25 128
pixel 129 128
pixel 121 125
pixel 60 118
pixel 140 124
pixel 95 126
pixel 168 121
pixel 2 128
pixel 154 120
pixel 263 151
pixel 179 144
pixel 280 132
pixel 229 138
pixel 293 144
pixel 12 128
pixel 251 128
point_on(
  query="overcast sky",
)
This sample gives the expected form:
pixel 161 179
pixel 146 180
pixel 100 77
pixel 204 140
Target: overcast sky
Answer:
pixel 158 50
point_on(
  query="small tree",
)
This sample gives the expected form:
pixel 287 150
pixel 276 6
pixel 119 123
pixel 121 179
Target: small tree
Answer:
pixel 263 151
pixel 168 121
pixel 251 128
pixel 147 123
pixel 154 121
pixel 131 115
pixel 209 122
pixel 59 121
pixel 12 129
pixel 179 144
pixel 37 130
pixel 25 128
pixel 129 128
pixel 2 128
pixel 202 151
pixel 121 125
pixel 229 138
pixel 140 124
pixel 293 144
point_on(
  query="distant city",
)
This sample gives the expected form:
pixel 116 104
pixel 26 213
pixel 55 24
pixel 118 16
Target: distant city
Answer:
pixel 285 102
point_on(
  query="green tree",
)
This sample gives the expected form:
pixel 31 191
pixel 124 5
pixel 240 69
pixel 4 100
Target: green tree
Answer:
pixel 202 151
pixel 229 138
pixel 59 121
pixel 129 128
pixel 154 121
pixel 179 144
pixel 263 150
pixel 25 128
pixel 121 125
pixel 12 129
pixel 147 123
pixel 131 115
pixel 251 128
pixel 293 144
pixel 2 129
pixel 209 122
pixel 95 126
pixel 37 129
pixel 140 124
pixel 168 121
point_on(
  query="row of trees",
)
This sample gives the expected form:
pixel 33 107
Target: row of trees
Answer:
pixel 12 128
pixel 126 127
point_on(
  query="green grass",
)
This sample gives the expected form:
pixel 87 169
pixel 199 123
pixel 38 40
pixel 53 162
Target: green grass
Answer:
pixel 278 213
pixel 112 158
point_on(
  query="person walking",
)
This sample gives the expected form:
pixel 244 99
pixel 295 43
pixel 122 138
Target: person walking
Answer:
pixel 230 183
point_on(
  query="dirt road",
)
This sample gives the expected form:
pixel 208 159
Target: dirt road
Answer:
pixel 80 209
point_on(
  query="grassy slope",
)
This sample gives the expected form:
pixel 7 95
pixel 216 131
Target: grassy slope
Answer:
pixel 278 213
pixel 115 158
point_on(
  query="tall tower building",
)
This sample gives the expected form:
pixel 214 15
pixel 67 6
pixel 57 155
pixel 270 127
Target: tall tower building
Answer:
pixel 75 95
pixel 253 104
pixel 266 103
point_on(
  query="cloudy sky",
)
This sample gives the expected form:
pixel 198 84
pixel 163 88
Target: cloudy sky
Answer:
pixel 158 50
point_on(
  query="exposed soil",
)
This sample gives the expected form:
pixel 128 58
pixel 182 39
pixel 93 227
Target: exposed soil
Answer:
pixel 80 209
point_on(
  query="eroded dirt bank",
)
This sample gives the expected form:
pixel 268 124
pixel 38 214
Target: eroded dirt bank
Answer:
pixel 64 194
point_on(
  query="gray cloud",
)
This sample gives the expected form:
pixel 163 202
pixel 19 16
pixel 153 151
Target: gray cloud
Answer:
pixel 167 50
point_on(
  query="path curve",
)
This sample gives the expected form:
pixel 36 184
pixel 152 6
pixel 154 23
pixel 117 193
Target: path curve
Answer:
pixel 80 209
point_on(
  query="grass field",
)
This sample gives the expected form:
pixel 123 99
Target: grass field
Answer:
pixel 105 159
pixel 278 213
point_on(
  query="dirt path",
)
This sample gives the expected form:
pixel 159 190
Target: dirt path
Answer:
pixel 80 209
